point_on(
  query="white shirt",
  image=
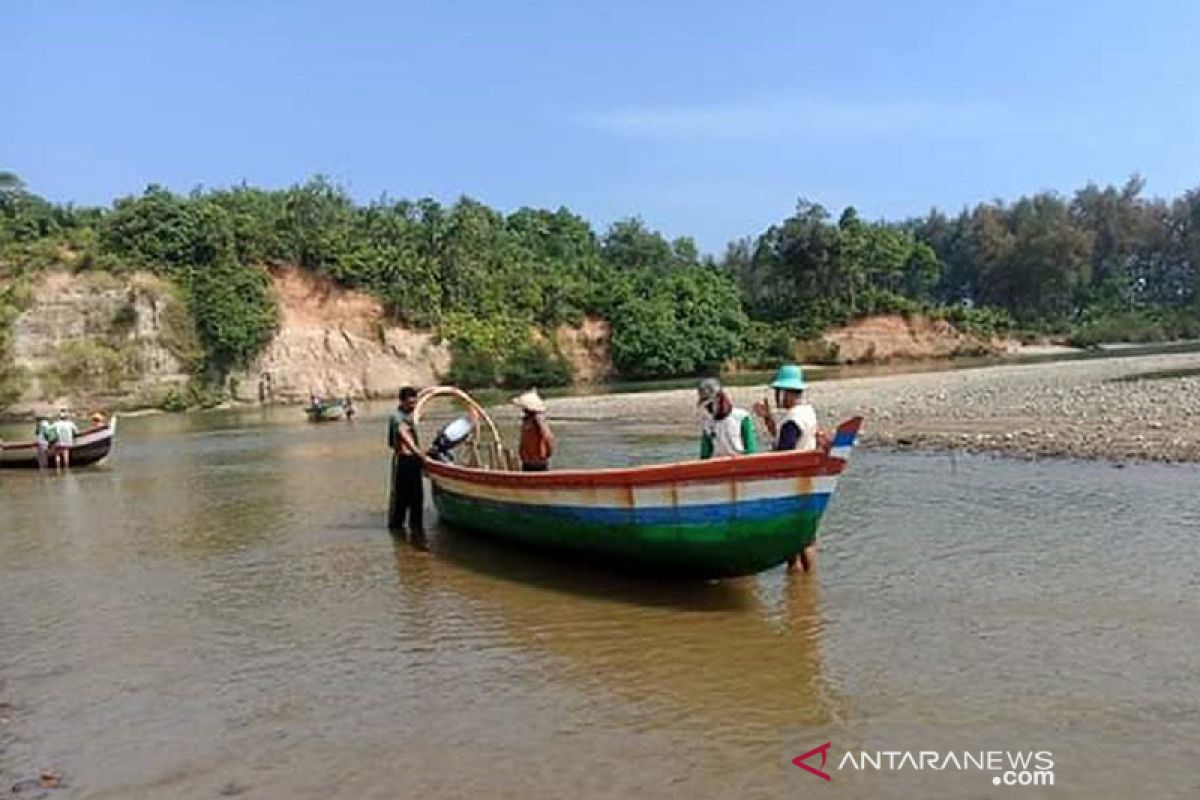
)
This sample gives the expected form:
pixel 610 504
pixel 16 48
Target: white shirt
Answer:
pixel 726 434
pixel 805 417
pixel 66 432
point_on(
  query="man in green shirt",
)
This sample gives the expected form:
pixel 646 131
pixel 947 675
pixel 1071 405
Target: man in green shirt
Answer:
pixel 408 493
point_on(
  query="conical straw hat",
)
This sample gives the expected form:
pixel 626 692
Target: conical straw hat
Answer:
pixel 530 402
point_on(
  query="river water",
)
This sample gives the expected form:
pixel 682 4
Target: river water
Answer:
pixel 219 612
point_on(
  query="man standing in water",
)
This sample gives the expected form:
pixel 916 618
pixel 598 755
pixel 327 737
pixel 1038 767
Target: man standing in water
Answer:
pixel 66 432
pixel 41 439
pixel 798 431
pixel 408 494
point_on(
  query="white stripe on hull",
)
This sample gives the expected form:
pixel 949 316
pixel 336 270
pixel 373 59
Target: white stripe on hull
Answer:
pixel 654 496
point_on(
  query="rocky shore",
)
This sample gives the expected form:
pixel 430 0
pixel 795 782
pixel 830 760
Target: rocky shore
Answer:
pixel 1128 408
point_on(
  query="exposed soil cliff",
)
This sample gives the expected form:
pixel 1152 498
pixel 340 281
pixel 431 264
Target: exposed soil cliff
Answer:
pixel 336 342
pixel 125 341
pixel 892 337
pixel 97 340
pixel 587 349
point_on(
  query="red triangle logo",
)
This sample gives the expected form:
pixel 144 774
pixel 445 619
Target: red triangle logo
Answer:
pixel 800 759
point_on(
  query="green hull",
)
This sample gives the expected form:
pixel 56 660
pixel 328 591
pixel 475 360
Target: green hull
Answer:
pixel 712 549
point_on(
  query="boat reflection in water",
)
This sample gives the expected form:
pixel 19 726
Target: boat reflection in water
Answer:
pixel 736 662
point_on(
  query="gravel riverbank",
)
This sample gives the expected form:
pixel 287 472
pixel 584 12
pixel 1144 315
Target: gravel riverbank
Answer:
pixel 1130 408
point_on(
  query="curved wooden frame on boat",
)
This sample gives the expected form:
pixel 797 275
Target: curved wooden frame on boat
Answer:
pixel 499 456
pixel 92 446
pixel 709 519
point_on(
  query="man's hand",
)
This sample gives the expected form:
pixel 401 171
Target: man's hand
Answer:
pixel 764 412
pixel 405 443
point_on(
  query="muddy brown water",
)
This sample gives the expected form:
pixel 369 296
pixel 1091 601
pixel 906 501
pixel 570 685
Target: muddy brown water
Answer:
pixel 219 612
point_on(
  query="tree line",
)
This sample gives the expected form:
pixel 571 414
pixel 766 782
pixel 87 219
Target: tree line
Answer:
pixel 1044 263
pixel 1106 262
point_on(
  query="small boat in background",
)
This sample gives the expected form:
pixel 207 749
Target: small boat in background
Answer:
pixel 718 518
pixel 330 411
pixel 92 446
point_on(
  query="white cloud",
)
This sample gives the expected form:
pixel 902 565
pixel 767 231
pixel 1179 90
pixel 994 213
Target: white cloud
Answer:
pixel 791 117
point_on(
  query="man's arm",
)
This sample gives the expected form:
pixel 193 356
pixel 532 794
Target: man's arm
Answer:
pixel 547 436
pixel 764 411
pixel 405 441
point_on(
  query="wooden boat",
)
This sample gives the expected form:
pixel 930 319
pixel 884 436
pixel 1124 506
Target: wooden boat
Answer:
pixel 92 446
pixel 326 412
pixel 717 518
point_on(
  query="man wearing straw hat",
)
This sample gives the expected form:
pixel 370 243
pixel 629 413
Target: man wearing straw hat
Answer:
pixel 537 442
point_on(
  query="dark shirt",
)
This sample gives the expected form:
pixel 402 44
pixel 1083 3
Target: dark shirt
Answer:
pixel 397 419
pixel 789 436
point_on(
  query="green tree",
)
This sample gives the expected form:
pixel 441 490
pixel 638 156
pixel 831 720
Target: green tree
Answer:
pixel 315 222
pixel 1046 262
pixel 630 245
pixel 922 272
pixel 803 270
pixel 192 240
pixel 1117 221
pixel 689 321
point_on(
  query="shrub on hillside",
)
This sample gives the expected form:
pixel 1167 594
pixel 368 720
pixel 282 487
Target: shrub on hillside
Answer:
pixel 89 366
pixel 500 351
pixel 765 345
pixel 681 324
pixel 472 368
pixel 13 379
pixel 535 364
pixel 981 321
pixel 1135 327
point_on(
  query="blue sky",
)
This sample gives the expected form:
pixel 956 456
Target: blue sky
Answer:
pixel 707 119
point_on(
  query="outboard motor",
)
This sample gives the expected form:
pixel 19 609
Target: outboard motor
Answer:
pixel 449 437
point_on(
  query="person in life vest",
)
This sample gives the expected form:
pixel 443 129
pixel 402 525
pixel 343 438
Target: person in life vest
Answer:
pixel 537 442
pixel 724 429
pixel 796 430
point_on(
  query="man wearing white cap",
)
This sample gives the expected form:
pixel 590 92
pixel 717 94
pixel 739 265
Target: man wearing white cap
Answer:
pixel 537 442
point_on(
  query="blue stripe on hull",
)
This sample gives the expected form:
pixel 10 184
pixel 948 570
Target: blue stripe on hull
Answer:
pixel 709 514
pixel 844 439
